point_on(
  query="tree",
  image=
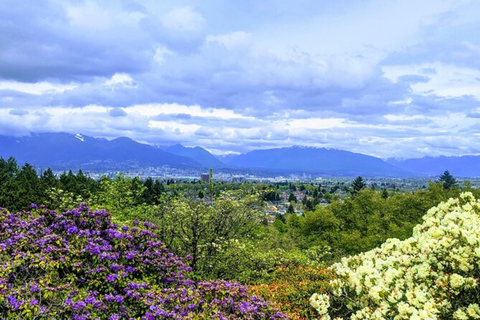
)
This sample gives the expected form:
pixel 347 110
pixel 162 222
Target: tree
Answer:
pixel 8 187
pixel 290 209
pixel 385 193
pixel 28 187
pixel 292 198
pixel 357 185
pixel 449 182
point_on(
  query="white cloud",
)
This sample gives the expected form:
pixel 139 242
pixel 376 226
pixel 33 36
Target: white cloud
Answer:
pixel 234 40
pixel 152 110
pixel 37 88
pixel 443 80
pixel 95 16
pixel 184 19
pixel 122 79
pixel 161 52
pixel 401 117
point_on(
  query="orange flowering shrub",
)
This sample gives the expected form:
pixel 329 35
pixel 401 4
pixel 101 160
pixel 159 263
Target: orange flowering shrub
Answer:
pixel 291 287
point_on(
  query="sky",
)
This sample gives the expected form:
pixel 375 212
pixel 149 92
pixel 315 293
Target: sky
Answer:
pixel 387 78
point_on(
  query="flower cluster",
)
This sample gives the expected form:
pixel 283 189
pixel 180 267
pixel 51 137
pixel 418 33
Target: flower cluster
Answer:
pixel 432 275
pixel 79 265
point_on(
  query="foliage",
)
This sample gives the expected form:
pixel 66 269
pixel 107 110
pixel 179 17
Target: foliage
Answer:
pixel 291 286
pixel 357 185
pixel 249 261
pixel 364 221
pixel 433 275
pixel 20 186
pixel 448 181
pixel 79 265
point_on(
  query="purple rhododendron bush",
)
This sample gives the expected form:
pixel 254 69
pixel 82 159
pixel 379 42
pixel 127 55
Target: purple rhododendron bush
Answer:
pixel 79 265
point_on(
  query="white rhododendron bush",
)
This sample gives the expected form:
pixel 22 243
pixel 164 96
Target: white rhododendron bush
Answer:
pixel 432 275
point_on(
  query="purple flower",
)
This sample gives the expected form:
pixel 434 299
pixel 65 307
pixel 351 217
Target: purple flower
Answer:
pixel 130 255
pixel 109 297
pixel 116 267
pixel 90 299
pixel 119 299
pixel 34 302
pixel 72 229
pixel 112 277
pixel 34 288
pixel 79 305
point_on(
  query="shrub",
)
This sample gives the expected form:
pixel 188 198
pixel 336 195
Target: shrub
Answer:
pixel 291 286
pixel 79 265
pixel 432 275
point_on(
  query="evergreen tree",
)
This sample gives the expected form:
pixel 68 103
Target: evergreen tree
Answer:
pixel 292 198
pixel 290 209
pixel 385 193
pixel 68 181
pixel 449 182
pixel 8 172
pixel 357 185
pixel 28 187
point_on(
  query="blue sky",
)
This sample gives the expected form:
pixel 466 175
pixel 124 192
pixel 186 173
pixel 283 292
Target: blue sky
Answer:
pixel 384 78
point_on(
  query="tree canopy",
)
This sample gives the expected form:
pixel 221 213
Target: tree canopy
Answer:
pixel 449 182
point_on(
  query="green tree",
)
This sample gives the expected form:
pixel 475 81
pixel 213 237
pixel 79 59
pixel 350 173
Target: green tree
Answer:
pixel 449 182
pixel 118 195
pixel 28 186
pixel 290 209
pixel 292 198
pixel 357 185
pixel 8 187
pixel 385 193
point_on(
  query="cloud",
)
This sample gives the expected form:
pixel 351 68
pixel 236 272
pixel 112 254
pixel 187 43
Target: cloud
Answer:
pixel 117 112
pixel 17 112
pixel 439 79
pixel 184 19
pixel 372 77
pixel 37 88
pixel 44 41
pixel 231 41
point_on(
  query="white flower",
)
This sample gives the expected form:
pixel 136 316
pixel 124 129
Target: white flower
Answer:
pixel 320 302
pixel 411 274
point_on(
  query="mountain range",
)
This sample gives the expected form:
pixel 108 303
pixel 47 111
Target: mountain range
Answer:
pixel 67 151
pixel 63 151
pixel 464 166
pixel 316 160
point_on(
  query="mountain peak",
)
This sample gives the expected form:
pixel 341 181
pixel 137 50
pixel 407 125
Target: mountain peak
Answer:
pixel 80 137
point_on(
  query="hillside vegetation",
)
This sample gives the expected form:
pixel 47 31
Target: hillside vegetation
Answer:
pixel 84 254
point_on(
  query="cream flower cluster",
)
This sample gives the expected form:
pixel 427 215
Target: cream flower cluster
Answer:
pixel 432 275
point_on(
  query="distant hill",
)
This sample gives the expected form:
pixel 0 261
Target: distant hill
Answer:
pixel 67 151
pixel 316 160
pixel 464 166
pixel 199 154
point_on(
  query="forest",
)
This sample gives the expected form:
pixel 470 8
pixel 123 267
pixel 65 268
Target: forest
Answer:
pixel 124 247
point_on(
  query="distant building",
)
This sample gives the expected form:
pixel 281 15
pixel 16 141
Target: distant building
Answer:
pixel 205 177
